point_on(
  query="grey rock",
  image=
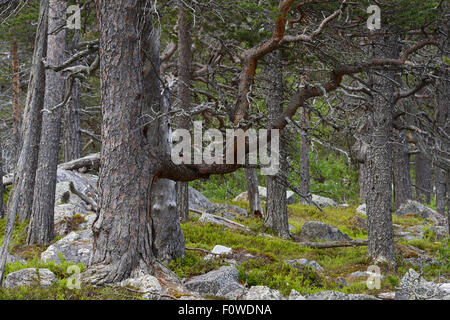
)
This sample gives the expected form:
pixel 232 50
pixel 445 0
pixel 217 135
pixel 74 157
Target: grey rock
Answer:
pixel 75 247
pixel 198 201
pixel 218 249
pixel 63 195
pixel 323 201
pixel 262 293
pixel 440 232
pixel 414 207
pixel 335 295
pixel 83 182
pixel 64 215
pixel 28 277
pixel 217 282
pixel 304 262
pixel 386 295
pixel 363 275
pixel 262 192
pixel 12 259
pixel 226 210
pixel 147 284
pixel 236 294
pixel 295 295
pixel 414 287
pixel 362 209
pixel 315 230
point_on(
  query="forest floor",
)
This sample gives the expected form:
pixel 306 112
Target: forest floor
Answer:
pixel 262 260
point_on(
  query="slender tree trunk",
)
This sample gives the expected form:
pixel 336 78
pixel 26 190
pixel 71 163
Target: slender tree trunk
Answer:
pixel 41 229
pixel 72 127
pixel 304 154
pixel 423 178
pixel 379 159
pixel 138 221
pixel 21 198
pixel 2 188
pixel 184 94
pixel 251 177
pixel 441 181
pixel 401 170
pixel 31 129
pixel 17 112
pixel 276 218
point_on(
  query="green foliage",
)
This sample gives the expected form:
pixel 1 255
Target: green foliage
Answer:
pixel 193 264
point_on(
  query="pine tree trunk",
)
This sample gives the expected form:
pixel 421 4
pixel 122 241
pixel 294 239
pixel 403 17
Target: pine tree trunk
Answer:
pixel 31 130
pixel 184 94
pixel 401 170
pixel 72 127
pixel 423 178
pixel 21 199
pixel 2 188
pixel 251 177
pixel 379 159
pixel 17 112
pixel 41 229
pixel 138 221
pixel 304 155
pixel 277 217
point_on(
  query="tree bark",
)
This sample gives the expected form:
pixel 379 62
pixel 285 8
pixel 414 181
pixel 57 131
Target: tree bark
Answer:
pixel 17 112
pixel 41 229
pixel 72 127
pixel 379 158
pixel 184 94
pixel 423 178
pixel 304 155
pixel 137 223
pixel 277 217
pixel 31 133
pixel 21 199
pixel 2 187
pixel 401 169
pixel 251 178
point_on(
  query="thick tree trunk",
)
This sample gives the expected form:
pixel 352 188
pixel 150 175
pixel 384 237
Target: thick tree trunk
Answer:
pixel 31 130
pixel 17 112
pixel 401 169
pixel 41 229
pixel 184 94
pixel 21 199
pixel 251 177
pixel 276 218
pixel 423 178
pixel 379 159
pixel 304 155
pixel 138 221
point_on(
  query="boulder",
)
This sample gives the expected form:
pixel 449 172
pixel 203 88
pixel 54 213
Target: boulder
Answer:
pixel 363 275
pixel 63 195
pixel 197 201
pixel 262 293
pixel 218 249
pixel 69 217
pixel 83 182
pixel 414 287
pixel 12 259
pixel 147 284
pixel 28 277
pixel 323 202
pixel 299 263
pixel 362 209
pixel 262 191
pixel 336 295
pixel 414 207
pixel 217 282
pixel 75 247
pixel 295 295
pixel 315 230
pixel 440 232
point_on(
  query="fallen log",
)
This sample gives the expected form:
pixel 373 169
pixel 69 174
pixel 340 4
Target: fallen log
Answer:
pixel 90 162
pixel 333 244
